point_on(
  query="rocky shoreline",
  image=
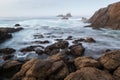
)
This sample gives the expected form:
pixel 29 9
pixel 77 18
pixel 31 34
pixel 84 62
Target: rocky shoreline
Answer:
pixel 64 62
pixel 6 33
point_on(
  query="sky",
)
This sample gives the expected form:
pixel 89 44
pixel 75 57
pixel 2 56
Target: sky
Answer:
pixel 31 8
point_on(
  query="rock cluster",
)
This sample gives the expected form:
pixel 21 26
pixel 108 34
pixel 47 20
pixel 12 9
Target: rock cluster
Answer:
pixel 63 63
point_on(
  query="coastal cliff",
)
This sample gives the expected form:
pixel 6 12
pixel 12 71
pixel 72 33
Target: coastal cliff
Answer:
pixel 108 17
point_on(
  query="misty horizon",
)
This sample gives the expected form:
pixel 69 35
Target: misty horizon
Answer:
pixel 30 8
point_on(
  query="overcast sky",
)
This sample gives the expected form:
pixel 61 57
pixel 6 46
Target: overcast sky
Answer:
pixel 17 8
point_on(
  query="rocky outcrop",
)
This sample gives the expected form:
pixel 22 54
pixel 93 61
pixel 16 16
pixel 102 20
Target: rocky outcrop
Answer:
pixel 4 36
pixel 50 69
pixel 77 50
pixel 55 48
pixel 110 60
pixel 108 17
pixel 89 73
pixel 9 68
pixel 7 50
pixel 81 62
pixel 5 33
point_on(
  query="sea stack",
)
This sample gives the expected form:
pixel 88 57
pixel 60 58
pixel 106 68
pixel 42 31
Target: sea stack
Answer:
pixel 108 17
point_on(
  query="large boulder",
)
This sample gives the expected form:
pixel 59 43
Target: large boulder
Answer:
pixel 35 69
pixel 7 50
pixel 81 62
pixel 108 17
pixel 9 68
pixel 89 73
pixel 116 74
pixel 54 48
pixel 110 60
pixel 4 36
pixel 77 50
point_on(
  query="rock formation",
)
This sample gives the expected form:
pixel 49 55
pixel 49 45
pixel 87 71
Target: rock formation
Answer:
pixel 108 17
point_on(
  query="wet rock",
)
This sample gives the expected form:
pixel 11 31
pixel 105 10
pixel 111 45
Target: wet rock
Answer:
pixel 56 46
pixel 108 17
pixel 16 25
pixel 9 68
pixel 31 48
pixel 6 57
pixel 39 51
pixel 77 50
pixel 10 30
pixel 89 73
pixel 69 38
pixel 81 62
pixel 58 39
pixel 116 74
pixel 36 69
pixel 78 41
pixel 4 36
pixel 7 50
pixel 90 40
pixel 42 42
pixel 38 36
pixel 110 60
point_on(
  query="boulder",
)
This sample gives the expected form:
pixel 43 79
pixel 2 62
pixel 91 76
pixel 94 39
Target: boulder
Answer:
pixel 108 17
pixel 4 36
pixel 90 40
pixel 56 46
pixel 6 57
pixel 77 50
pixel 69 38
pixel 89 73
pixel 16 25
pixel 10 30
pixel 7 50
pixel 31 48
pixel 42 42
pixel 116 74
pixel 36 69
pixel 84 61
pixel 9 68
pixel 77 41
pixel 110 60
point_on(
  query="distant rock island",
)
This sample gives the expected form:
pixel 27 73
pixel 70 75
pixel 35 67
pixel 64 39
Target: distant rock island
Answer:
pixel 108 17
pixel 67 16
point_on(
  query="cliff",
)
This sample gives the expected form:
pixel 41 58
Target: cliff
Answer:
pixel 108 17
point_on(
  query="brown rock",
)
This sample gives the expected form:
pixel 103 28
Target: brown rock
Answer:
pixel 7 50
pixel 36 69
pixel 90 40
pixel 81 62
pixel 110 60
pixel 116 74
pixel 108 17
pixel 89 73
pixel 78 41
pixel 31 48
pixel 56 46
pixel 77 50
pixel 6 57
pixel 10 68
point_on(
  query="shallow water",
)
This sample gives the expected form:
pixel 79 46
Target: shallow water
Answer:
pixel 54 28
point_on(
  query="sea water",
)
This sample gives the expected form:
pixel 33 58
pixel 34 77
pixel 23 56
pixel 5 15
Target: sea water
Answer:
pixel 56 28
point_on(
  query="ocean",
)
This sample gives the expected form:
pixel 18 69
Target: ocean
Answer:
pixel 53 28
